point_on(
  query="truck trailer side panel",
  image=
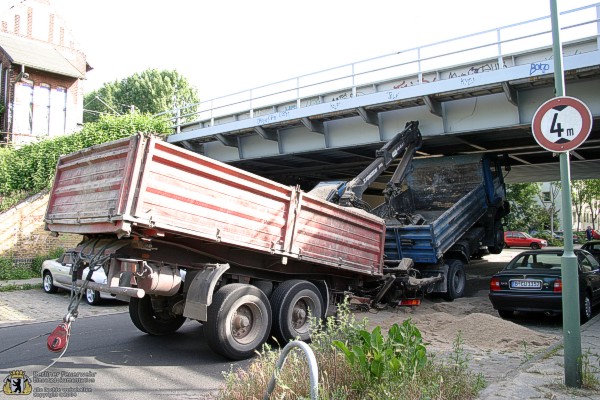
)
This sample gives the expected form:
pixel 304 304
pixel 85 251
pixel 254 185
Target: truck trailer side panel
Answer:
pixel 144 186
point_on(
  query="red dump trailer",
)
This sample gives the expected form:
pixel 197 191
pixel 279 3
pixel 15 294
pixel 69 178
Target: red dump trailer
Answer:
pixel 185 236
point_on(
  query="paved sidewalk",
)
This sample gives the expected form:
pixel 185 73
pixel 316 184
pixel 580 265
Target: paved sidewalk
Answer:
pixel 543 376
pixel 20 307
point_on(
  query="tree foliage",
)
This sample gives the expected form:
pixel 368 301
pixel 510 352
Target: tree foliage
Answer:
pixel 549 204
pixel 31 168
pixel 151 91
pixel 592 198
pixel 525 212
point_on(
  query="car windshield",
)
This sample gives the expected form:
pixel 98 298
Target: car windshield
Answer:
pixel 529 261
pixel 527 235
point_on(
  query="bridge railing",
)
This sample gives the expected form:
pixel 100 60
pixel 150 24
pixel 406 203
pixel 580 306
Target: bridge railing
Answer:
pixel 408 67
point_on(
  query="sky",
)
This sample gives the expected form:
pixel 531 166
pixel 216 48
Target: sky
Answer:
pixel 226 46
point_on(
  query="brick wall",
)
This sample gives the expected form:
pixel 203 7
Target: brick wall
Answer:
pixel 22 234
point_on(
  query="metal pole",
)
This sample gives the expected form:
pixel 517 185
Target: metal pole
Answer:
pixel 570 289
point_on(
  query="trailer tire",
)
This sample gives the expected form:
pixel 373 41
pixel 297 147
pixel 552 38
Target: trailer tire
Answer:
pixel 291 302
pixel 147 320
pixel 134 314
pixel 238 322
pixel 457 280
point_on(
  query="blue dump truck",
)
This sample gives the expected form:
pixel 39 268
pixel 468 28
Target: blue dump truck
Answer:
pixel 439 212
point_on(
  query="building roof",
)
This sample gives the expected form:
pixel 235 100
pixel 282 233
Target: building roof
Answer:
pixel 38 55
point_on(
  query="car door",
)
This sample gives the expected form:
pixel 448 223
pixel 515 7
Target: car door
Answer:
pixel 521 240
pixel 63 270
pixel 509 239
pixel 591 273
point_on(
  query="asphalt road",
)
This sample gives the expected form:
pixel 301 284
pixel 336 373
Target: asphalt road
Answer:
pixel 125 362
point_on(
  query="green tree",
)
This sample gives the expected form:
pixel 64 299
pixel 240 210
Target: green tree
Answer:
pixel 578 199
pixel 151 91
pixel 525 212
pixel 592 188
pixel 548 201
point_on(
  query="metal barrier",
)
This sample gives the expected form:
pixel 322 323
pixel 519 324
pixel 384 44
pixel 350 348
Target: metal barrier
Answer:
pixel 312 365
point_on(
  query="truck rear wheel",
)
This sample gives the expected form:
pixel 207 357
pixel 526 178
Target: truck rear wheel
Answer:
pixel 148 320
pixel 238 321
pixel 498 240
pixel 457 280
pixel 291 302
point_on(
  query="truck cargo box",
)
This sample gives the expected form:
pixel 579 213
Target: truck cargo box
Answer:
pixel 145 186
pixel 450 194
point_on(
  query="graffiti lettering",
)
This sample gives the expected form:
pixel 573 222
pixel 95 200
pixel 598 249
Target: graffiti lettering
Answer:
pixel 342 96
pixel 467 81
pixel 404 84
pixel 335 106
pixel 477 70
pixel 393 95
pixel 538 67
pixel 311 102
pixel 288 108
pixel 266 120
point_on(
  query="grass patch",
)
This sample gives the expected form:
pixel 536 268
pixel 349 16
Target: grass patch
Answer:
pixel 26 286
pixel 589 373
pixel 8 271
pixel 357 364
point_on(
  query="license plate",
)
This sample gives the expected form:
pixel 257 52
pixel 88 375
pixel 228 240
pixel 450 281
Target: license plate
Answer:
pixel 525 284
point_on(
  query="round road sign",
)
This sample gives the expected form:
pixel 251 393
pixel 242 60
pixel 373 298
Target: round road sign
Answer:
pixel 561 124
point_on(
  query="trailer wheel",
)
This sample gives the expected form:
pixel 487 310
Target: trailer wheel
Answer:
pixel 291 302
pixel 238 321
pixel 457 280
pixel 134 314
pixel 147 320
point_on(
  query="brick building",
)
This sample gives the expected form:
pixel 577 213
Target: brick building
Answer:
pixel 42 69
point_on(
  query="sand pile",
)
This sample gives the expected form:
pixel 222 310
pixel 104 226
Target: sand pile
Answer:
pixel 478 324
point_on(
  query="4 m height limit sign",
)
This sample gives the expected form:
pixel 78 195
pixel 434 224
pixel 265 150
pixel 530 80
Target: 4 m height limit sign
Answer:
pixel 561 124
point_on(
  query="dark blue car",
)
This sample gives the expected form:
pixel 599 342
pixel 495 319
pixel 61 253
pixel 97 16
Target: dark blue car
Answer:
pixel 532 282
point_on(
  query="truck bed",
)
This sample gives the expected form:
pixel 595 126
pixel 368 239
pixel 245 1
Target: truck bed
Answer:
pixel 449 193
pixel 143 186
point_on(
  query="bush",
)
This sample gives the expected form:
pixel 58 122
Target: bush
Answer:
pixel 30 169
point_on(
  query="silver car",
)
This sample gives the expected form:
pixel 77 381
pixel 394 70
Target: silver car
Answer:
pixel 57 270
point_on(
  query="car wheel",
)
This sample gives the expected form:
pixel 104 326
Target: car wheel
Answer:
pixel 586 308
pixel 505 314
pixel 92 297
pixel 535 246
pixel 49 283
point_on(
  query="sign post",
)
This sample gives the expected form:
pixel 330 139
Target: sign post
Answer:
pixel 561 125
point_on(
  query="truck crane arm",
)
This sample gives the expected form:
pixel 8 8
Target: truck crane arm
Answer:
pixel 407 143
